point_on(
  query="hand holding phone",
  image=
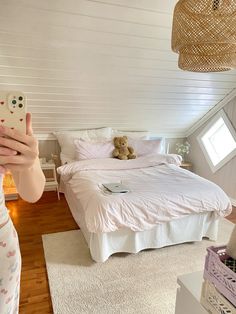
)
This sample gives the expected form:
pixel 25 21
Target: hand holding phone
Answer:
pixel 13 110
pixel 23 147
pixel 18 147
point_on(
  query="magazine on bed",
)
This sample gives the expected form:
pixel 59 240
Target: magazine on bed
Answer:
pixel 116 187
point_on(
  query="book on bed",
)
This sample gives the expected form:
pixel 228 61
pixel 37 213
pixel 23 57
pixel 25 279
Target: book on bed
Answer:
pixel 116 187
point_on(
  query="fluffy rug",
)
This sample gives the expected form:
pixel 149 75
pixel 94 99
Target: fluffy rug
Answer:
pixel 142 283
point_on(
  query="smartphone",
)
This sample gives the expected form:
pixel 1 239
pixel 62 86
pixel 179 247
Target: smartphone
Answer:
pixel 13 110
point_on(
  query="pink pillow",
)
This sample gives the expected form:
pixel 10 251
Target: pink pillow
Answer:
pixel 146 147
pixel 93 150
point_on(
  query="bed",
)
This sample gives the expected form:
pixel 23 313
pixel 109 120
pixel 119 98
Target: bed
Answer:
pixel 166 204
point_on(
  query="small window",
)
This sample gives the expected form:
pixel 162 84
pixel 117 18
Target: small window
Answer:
pixel 218 141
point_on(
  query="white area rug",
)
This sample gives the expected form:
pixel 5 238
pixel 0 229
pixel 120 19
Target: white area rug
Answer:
pixel 142 283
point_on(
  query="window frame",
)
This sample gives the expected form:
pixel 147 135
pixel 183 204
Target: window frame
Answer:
pixel 220 114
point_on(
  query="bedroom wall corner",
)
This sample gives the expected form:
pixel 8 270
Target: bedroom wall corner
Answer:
pixel 225 177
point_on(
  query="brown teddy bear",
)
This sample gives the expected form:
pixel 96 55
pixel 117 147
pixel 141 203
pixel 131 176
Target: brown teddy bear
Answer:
pixel 122 150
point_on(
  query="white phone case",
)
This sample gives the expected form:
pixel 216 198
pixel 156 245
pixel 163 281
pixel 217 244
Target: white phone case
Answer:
pixel 13 110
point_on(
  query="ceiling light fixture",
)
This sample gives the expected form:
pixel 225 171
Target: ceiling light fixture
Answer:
pixel 204 35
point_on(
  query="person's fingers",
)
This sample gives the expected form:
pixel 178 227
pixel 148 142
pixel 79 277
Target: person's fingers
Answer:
pixel 16 135
pixel 19 159
pixel 13 145
pixel 12 142
pixel 29 130
pixel 4 151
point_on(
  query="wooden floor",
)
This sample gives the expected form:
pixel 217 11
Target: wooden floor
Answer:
pixel 48 215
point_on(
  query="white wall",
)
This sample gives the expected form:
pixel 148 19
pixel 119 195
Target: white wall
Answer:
pixel 92 63
pixel 225 177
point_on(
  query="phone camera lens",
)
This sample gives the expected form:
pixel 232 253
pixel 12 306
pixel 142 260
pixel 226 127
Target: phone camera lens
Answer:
pixel 13 101
pixel 20 98
pixel 20 106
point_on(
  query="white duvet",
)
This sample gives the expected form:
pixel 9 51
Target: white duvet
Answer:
pixel 159 191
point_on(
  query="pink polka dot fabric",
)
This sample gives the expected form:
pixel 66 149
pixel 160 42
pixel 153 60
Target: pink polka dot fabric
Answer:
pixel 10 268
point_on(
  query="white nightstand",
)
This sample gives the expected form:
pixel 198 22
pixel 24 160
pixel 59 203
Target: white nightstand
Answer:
pixel 51 181
pixel 189 293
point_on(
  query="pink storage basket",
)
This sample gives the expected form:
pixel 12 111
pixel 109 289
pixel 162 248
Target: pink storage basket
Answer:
pixel 219 274
pixel 214 302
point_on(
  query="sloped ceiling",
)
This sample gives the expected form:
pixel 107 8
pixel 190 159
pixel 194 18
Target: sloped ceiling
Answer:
pixel 92 63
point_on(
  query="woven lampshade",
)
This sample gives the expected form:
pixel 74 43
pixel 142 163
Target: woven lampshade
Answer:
pixel 204 35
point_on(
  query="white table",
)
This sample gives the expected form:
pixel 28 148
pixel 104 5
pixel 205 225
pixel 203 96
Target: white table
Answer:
pixel 51 183
pixel 189 293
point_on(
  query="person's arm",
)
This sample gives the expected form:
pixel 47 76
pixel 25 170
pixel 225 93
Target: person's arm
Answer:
pixel 30 182
pixel 23 161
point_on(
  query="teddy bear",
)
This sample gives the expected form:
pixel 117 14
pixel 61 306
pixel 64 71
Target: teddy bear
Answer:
pixel 231 246
pixel 122 150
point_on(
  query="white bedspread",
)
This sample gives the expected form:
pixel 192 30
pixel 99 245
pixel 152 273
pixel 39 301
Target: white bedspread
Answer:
pixel 159 191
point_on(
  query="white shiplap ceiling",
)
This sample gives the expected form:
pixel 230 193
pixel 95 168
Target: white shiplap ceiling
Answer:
pixel 88 63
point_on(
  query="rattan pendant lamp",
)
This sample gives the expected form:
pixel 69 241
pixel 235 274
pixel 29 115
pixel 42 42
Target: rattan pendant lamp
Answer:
pixel 204 35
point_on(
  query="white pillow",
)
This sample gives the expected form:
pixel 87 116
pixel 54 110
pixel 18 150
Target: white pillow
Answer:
pixel 144 135
pixel 146 147
pixel 66 140
pixel 93 150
